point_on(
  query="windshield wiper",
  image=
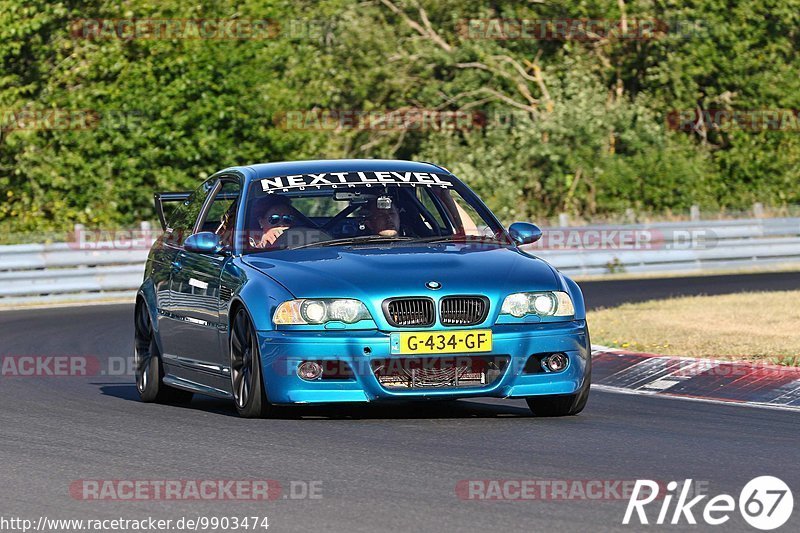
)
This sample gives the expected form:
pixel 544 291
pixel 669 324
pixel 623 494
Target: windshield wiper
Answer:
pixel 468 239
pixel 364 239
pixel 438 238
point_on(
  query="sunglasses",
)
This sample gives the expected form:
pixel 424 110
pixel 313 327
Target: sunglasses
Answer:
pixel 274 220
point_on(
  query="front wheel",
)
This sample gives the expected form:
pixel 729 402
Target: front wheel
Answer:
pixel 248 386
pixel 562 404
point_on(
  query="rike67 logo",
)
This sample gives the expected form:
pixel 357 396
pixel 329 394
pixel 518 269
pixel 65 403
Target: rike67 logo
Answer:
pixel 765 503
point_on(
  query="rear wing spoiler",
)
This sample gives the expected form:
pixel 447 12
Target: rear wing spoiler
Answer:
pixel 161 197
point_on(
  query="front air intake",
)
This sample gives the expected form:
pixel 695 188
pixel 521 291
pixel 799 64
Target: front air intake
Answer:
pixel 463 310
pixel 409 312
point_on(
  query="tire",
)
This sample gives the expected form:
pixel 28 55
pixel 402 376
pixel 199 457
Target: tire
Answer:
pixel 562 404
pixel 247 383
pixel 147 362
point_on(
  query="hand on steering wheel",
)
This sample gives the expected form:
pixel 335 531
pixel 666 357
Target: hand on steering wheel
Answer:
pixel 272 235
pixel 269 237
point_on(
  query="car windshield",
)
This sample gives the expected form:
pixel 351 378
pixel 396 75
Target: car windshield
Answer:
pixel 363 208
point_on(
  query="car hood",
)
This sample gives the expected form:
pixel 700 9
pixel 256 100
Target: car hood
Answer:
pixel 370 272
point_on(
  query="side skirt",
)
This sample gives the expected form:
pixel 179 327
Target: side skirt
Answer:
pixel 185 384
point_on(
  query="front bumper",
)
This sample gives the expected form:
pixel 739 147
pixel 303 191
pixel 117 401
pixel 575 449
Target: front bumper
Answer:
pixel 282 351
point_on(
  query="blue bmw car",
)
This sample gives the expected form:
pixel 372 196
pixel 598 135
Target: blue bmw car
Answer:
pixel 348 281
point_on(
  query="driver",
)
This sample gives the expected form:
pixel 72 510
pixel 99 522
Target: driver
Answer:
pixel 276 215
pixel 381 217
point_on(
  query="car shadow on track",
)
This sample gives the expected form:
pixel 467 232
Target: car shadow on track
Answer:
pixel 451 409
pixel 389 410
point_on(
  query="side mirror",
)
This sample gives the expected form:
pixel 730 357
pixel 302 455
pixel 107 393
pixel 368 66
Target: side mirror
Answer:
pixel 205 242
pixel 524 232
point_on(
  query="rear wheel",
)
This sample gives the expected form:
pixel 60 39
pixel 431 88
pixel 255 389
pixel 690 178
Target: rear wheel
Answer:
pixel 247 384
pixel 563 404
pixel 147 362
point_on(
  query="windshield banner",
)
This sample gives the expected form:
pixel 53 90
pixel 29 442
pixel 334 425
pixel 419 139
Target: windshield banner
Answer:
pixel 334 180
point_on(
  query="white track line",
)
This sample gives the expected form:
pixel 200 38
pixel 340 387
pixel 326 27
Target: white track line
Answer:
pixel 664 395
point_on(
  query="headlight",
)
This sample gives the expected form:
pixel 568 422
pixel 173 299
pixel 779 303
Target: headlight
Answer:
pixel 303 311
pixel 555 303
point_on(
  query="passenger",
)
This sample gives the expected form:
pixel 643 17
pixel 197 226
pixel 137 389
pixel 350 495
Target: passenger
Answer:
pixel 381 217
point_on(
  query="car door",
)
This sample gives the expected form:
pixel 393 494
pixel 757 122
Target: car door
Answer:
pixel 180 225
pixel 195 286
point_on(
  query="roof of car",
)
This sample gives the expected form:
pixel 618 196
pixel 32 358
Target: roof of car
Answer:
pixel 285 168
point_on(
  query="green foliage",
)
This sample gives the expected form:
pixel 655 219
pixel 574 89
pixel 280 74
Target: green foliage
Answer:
pixel 564 125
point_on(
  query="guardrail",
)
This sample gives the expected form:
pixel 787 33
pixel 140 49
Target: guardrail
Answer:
pixel 96 270
pixel 670 246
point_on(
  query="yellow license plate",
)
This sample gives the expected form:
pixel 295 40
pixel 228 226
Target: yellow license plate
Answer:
pixel 427 342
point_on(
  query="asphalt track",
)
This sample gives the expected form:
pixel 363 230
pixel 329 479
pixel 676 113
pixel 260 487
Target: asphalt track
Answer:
pixel 615 292
pixel 382 468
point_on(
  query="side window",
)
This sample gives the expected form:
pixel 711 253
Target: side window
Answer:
pixel 452 211
pixel 184 215
pixel 433 213
pixel 471 222
pixel 220 217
